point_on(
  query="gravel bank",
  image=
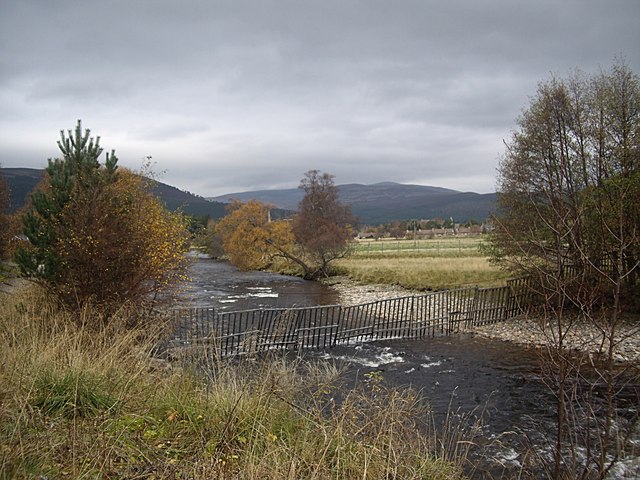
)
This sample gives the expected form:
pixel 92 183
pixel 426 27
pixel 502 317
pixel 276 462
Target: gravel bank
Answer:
pixel 580 337
pixel 521 330
pixel 354 293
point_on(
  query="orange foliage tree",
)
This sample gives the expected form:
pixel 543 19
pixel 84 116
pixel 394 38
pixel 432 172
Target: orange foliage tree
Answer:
pixel 126 235
pixel 250 239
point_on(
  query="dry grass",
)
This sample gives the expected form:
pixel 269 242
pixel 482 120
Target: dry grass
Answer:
pixel 422 272
pixel 80 403
pixel 425 264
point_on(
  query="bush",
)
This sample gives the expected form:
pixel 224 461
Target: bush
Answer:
pixel 4 219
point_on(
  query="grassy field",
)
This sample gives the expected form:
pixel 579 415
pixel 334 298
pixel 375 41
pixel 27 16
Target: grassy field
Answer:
pixel 436 247
pixel 76 402
pixel 426 264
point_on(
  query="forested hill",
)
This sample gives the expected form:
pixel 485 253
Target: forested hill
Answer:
pixel 22 181
pixel 388 201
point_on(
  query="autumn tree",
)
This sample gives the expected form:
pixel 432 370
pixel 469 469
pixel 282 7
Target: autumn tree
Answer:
pixel 317 235
pixel 569 183
pixel 569 190
pixel 97 235
pixel 249 238
pixel 323 226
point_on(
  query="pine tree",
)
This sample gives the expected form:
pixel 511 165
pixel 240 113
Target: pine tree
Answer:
pixel 77 173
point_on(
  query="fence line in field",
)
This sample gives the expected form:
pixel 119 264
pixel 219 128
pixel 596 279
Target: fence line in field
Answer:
pixel 418 316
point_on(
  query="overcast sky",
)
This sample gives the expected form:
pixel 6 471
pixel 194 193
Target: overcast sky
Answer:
pixel 244 95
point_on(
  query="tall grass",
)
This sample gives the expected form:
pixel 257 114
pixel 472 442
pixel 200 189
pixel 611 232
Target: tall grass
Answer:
pixel 81 402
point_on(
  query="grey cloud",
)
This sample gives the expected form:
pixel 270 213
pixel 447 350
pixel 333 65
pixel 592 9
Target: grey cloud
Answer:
pixel 252 93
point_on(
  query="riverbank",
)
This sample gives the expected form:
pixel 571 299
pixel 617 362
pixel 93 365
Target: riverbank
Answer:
pixel 523 330
pixel 580 337
pixel 80 401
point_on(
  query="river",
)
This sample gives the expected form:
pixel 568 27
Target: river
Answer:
pixel 464 375
pixel 221 285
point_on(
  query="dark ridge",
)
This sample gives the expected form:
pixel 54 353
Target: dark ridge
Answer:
pixel 22 181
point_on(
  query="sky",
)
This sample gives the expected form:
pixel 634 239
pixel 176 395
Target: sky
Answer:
pixel 251 94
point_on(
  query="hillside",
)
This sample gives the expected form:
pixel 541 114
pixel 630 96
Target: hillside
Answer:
pixel 372 204
pixel 388 201
pixel 175 198
pixel 23 180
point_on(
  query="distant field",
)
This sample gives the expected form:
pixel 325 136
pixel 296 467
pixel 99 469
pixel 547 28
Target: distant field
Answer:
pixel 432 264
pixel 436 247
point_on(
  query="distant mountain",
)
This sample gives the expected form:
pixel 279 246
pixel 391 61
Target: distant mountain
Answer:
pixel 372 204
pixel 387 201
pixel 22 181
pixel 287 199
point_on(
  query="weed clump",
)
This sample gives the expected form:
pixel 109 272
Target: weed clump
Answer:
pixel 71 394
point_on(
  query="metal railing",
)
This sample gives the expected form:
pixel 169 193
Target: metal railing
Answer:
pixel 438 313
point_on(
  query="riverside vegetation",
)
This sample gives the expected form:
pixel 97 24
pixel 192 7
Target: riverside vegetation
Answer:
pixel 76 402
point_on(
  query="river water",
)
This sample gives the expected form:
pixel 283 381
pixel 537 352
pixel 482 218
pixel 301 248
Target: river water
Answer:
pixel 492 385
pixel 467 376
pixel 221 285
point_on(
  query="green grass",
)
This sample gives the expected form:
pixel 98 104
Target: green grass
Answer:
pixel 71 394
pixel 423 264
pixel 77 402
